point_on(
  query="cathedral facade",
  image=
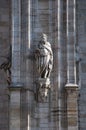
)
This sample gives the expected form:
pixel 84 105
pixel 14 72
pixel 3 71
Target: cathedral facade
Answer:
pixel 42 82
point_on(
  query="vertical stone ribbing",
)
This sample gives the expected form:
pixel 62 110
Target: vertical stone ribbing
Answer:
pixel 60 40
pixel 71 41
pixel 16 40
pixel 26 65
pixel 15 98
pixel 81 43
pixel 29 23
pixel 28 30
pixel 71 86
pixel 60 63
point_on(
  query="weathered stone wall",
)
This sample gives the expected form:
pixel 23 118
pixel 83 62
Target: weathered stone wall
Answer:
pixel 81 41
pixel 4 47
pixel 40 16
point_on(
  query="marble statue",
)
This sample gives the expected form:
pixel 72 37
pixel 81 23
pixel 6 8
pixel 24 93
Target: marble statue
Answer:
pixel 44 57
pixel 44 62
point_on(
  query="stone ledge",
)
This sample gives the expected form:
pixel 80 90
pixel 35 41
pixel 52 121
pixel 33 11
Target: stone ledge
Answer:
pixel 16 87
pixel 19 87
pixel 71 86
pixel 72 90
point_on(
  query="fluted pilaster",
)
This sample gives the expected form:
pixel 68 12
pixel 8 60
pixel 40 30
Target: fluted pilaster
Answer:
pixel 16 85
pixel 71 86
pixel 71 41
pixel 16 41
pixel 60 63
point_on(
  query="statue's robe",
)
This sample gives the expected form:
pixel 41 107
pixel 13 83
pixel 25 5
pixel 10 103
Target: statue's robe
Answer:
pixel 45 59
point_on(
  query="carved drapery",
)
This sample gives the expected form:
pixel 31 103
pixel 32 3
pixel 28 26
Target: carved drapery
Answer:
pixel 44 62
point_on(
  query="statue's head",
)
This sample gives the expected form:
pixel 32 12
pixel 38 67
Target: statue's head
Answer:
pixel 44 37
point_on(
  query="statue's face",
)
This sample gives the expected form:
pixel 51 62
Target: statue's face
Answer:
pixel 44 38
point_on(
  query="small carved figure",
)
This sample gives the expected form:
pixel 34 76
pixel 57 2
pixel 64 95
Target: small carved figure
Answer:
pixel 44 57
pixel 6 66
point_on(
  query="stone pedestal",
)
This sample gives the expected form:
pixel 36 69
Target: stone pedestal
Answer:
pixel 72 106
pixel 42 88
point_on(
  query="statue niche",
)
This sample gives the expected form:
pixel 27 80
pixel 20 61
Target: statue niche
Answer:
pixel 44 63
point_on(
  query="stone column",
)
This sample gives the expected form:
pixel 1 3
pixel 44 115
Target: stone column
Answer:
pixel 60 63
pixel 71 41
pixel 16 41
pixel 14 120
pixel 27 64
pixel 71 86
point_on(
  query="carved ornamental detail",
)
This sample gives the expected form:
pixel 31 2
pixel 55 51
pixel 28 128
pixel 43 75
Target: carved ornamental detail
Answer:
pixel 6 66
pixel 44 63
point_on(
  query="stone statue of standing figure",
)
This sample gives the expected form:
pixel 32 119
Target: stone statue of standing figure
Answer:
pixel 44 61
pixel 44 57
